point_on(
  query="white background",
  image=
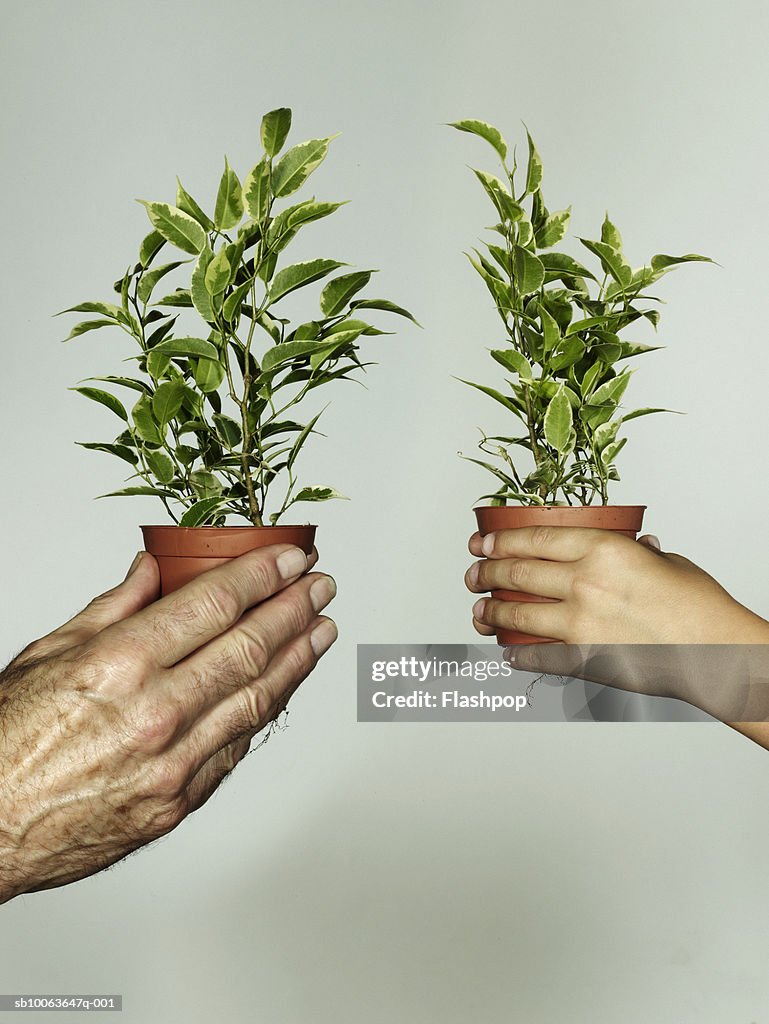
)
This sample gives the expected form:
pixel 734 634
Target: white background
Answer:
pixel 431 873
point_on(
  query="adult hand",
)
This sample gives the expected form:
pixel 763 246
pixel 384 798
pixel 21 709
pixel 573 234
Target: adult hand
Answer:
pixel 117 725
pixel 607 589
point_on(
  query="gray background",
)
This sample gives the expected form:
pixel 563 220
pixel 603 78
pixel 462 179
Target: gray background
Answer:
pixel 425 873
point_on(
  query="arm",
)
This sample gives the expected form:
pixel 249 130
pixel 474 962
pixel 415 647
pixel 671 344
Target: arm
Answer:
pixel 117 725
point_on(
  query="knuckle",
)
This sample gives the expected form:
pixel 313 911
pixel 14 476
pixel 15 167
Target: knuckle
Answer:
pixel 216 603
pixel 251 655
pixel 154 727
pixel 164 780
pixel 517 616
pixel 164 815
pixel 518 572
pixel 542 536
pixel 105 666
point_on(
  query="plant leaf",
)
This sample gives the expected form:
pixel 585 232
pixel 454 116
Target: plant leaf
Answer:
pixel 167 400
pixel 148 281
pixel 256 190
pixel 187 347
pixel 610 234
pixel 558 421
pixel 297 275
pixel 218 273
pixel 554 228
pixel 121 450
pixel 187 204
pixel 144 421
pixel 160 465
pixel 512 360
pixel 150 247
pixel 197 514
pixel 175 226
pixel 485 131
pixel 229 200
pixel 318 494
pixel 293 169
pixel 384 304
pixel 104 398
pixel 159 491
pixel 529 272
pixel 534 169
pixel 274 129
pixel 337 293
pixel 88 325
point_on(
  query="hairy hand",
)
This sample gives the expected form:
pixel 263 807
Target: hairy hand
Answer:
pixel 117 725
pixel 606 589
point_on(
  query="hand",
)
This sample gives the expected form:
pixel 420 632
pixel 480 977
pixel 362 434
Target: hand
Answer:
pixel 117 725
pixel 608 588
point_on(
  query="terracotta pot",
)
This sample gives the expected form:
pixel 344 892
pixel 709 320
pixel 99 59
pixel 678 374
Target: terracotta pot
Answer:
pixel 624 519
pixel 183 553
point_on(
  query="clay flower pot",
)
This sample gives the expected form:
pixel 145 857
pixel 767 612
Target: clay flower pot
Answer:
pixel 183 553
pixel 624 519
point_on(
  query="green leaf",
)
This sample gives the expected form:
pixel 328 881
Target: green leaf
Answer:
pixel 167 400
pixel 554 228
pixel 605 435
pixel 150 247
pixel 384 304
pixel 610 234
pixel 568 355
pixel 234 301
pixel 175 226
pixel 304 434
pixel 197 514
pixel 529 272
pixel 104 398
pixel 105 308
pixel 631 348
pixel 159 491
pixel 611 261
pixel 609 453
pixel 148 281
pixel 558 421
pixel 559 264
pixel 297 275
pixel 160 465
pixel 144 421
pixel 551 332
pixel 512 360
pixel 508 404
pixel 274 129
pixel 187 204
pixel 209 374
pixel 661 263
pixel 256 190
pixel 304 213
pixel 121 450
pixel 205 484
pixel 612 390
pixel 88 325
pixel 227 429
pixel 187 347
pixel 647 412
pixel 200 296
pixel 229 200
pixel 534 170
pixel 485 131
pixel 181 297
pixel 218 273
pixel 157 364
pixel 337 293
pixel 318 494
pixel 293 169
pixel 289 350
pixel 496 190
pixel 128 382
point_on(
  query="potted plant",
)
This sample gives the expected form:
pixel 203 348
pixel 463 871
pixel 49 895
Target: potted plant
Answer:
pixel 214 427
pixel 565 353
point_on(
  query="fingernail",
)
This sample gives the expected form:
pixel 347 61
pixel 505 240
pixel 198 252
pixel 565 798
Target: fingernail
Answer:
pixel 653 542
pixel 134 565
pixel 322 637
pixel 291 563
pixel 472 576
pixel 321 592
pixel 478 609
pixel 488 544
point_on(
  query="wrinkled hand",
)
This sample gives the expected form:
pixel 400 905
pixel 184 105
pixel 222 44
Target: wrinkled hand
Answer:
pixel 117 725
pixel 608 589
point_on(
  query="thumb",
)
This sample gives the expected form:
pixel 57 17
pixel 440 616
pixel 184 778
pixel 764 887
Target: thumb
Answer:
pixel 140 588
pixel 650 541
